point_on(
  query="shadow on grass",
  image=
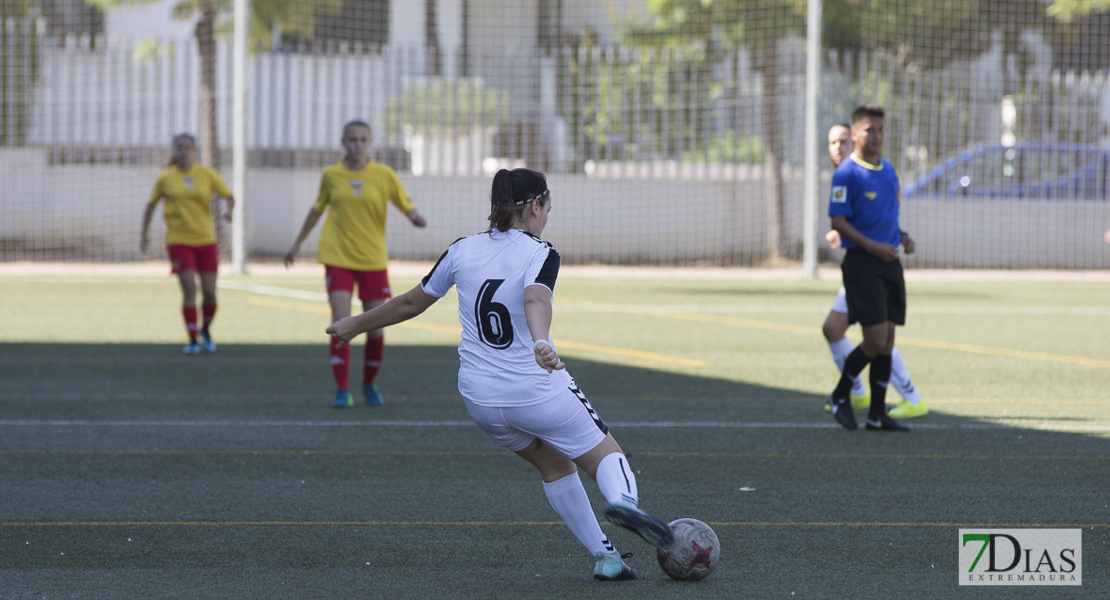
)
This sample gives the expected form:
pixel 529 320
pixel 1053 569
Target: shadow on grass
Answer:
pixel 230 476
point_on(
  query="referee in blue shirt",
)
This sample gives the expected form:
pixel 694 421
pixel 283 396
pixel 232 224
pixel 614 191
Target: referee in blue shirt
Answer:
pixel 863 208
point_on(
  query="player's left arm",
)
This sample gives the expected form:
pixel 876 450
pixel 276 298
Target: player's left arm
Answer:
pixel 144 238
pixel 537 312
pixel 399 309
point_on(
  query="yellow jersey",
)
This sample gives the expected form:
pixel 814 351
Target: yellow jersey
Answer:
pixel 188 208
pixel 354 232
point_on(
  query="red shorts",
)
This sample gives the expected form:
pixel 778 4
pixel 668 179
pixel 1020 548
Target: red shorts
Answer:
pixel 205 259
pixel 372 285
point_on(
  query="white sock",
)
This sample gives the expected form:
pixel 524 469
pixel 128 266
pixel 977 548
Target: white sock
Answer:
pixel 569 499
pixel 840 350
pixel 616 481
pixel 900 378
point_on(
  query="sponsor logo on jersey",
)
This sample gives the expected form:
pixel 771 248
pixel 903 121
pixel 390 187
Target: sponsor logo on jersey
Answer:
pixel 870 195
pixel 840 194
pixel 356 186
pixel 188 182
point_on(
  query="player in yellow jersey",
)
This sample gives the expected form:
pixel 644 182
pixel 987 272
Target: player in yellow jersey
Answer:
pixel 188 188
pixel 355 193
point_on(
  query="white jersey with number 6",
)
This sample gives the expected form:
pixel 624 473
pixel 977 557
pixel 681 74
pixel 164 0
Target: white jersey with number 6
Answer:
pixel 497 365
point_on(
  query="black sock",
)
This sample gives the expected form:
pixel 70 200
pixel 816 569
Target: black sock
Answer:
pixel 853 365
pixel 880 377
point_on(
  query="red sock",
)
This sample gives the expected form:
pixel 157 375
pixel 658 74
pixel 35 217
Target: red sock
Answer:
pixel 190 313
pixel 209 313
pixel 375 350
pixel 340 363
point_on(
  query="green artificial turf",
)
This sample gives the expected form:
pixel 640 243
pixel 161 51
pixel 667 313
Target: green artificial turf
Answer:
pixel 131 471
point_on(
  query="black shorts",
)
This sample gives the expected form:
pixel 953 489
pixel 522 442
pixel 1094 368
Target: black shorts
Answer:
pixel 875 289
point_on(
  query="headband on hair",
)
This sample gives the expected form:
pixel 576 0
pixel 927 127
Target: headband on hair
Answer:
pixel 538 196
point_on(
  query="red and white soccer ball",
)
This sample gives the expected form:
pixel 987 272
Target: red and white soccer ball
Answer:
pixel 694 553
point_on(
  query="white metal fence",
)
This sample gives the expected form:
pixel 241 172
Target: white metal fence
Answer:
pixel 613 120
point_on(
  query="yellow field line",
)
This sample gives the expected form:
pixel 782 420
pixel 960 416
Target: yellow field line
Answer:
pixel 528 523
pixel 974 349
pixel 901 341
pixel 455 331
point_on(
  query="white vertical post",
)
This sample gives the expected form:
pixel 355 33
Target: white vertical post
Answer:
pixel 239 137
pixel 812 135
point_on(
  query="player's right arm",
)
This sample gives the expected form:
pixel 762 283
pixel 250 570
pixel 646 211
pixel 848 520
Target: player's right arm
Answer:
pixel 396 310
pixel 309 222
pixel 148 214
pixel 144 238
pixel 323 200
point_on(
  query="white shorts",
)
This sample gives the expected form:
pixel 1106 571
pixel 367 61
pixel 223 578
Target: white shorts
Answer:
pixel 840 305
pixel 567 422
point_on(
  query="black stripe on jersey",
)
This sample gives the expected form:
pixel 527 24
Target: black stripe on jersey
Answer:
pixel 549 272
pixel 589 408
pixel 441 257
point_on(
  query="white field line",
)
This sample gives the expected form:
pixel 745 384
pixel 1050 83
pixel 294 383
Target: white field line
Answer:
pixel 1044 425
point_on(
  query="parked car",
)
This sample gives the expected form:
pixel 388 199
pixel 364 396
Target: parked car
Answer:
pixel 1040 170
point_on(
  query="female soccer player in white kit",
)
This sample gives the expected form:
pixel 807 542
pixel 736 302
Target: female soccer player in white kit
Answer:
pixel 510 376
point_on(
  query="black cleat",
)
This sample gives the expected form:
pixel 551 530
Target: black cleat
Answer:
pixel 841 410
pixel 654 530
pixel 885 423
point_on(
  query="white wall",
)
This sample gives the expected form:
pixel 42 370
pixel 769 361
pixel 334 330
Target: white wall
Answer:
pixel 142 21
pixel 697 216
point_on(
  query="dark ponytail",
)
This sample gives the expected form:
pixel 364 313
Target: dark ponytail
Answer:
pixel 511 194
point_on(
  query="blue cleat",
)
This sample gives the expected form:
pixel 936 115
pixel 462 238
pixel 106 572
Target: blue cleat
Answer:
pixel 343 399
pixel 372 395
pixel 206 341
pixel 192 349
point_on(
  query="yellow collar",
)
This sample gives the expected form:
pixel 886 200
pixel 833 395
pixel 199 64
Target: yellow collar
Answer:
pixel 863 163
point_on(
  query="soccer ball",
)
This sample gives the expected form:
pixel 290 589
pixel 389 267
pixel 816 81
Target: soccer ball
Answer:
pixel 694 553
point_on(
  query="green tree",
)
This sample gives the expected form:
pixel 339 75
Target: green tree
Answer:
pixel 1066 10
pixel 927 34
pixel 288 16
pixel 711 29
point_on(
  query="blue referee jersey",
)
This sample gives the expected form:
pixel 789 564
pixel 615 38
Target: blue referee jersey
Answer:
pixel 868 195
